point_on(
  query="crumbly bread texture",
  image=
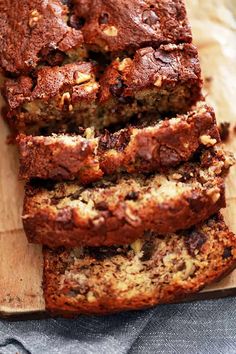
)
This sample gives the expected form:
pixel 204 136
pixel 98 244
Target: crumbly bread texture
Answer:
pixel 134 149
pixel 52 31
pixel 118 26
pixel 35 32
pixel 118 209
pixel 165 80
pixel 153 270
pixel 56 93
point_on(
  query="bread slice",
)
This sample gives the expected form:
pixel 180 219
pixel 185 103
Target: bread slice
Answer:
pixel 55 93
pixel 163 80
pixel 167 79
pixel 153 270
pixel 118 210
pixel 135 149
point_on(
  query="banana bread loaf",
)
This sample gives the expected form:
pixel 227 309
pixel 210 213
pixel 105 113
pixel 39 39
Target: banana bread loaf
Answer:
pixel 50 31
pixel 153 270
pixel 118 209
pixel 165 80
pixel 134 149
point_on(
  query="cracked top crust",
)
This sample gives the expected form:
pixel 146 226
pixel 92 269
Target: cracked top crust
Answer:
pixel 114 26
pixel 30 27
pixel 32 32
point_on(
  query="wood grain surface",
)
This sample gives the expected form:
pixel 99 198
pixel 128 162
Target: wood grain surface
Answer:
pixel 21 264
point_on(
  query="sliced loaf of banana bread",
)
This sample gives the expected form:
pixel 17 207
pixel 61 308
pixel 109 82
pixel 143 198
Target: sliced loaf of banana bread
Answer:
pixel 118 209
pixel 153 270
pixel 135 149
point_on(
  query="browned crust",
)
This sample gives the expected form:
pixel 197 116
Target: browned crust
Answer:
pixel 58 302
pixel 154 71
pixel 130 150
pixel 28 28
pixel 51 83
pixel 121 221
pixel 136 23
pixel 53 28
pixel 166 80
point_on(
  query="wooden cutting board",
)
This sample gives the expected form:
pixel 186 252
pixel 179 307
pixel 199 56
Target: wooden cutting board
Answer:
pixel 21 264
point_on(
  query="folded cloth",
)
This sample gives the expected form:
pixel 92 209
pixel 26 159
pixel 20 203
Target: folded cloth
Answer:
pixel 199 327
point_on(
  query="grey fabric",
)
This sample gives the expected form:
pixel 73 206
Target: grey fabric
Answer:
pixel 199 327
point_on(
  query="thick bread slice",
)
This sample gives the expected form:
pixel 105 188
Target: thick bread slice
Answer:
pixel 151 271
pixel 118 210
pixel 132 150
pixel 161 80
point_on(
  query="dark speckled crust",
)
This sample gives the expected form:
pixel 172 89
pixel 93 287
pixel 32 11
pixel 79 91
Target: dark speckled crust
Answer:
pixel 30 26
pixel 131 150
pixel 135 208
pixel 115 26
pixel 71 298
pixel 50 83
pixel 167 79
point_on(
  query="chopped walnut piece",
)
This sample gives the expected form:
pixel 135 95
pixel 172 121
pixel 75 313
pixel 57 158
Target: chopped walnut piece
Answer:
pixel 110 31
pixel 80 78
pixel 207 140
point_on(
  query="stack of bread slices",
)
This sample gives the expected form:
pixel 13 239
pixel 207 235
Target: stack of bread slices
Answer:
pixel 125 175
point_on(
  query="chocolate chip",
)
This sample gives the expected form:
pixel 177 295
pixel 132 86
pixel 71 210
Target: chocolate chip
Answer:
pixel 126 99
pixel 195 202
pixel 147 250
pixel 150 17
pixel 51 56
pixel 103 19
pixel 101 253
pixel 227 252
pixel 55 201
pixel 168 156
pixel 76 22
pixel 224 130
pixel 194 241
pixel 68 3
pixel 117 88
pixel 101 206
pixel 76 195
pixel 163 57
pixel 114 141
pixel 132 196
